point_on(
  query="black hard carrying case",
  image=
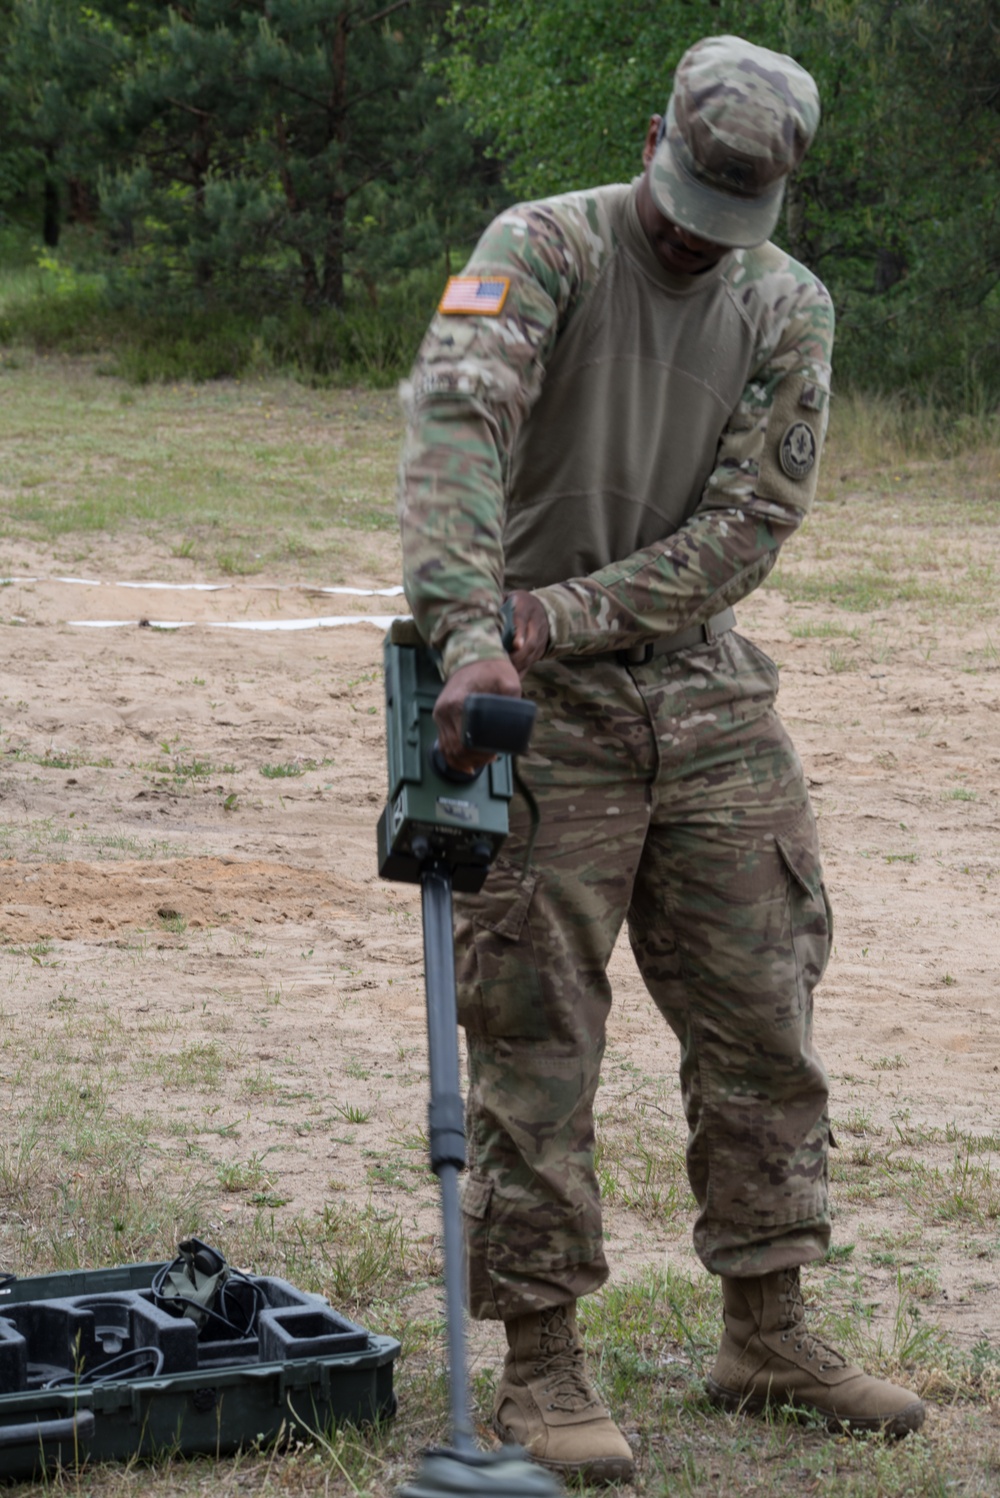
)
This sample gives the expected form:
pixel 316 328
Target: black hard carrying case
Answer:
pixel 303 1368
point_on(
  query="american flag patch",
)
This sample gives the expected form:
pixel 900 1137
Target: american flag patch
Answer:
pixel 485 295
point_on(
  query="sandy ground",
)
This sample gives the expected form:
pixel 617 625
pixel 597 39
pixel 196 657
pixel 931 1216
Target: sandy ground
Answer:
pixel 212 907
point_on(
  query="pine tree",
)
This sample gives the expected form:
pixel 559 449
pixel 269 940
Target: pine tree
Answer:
pixel 291 139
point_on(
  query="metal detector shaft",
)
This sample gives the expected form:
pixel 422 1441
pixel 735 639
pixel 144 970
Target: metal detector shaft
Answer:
pixel 447 1125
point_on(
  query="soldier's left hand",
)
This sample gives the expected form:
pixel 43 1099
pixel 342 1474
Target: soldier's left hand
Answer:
pixel 531 631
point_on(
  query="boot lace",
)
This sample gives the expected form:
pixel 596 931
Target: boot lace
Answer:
pixel 793 1324
pixel 561 1365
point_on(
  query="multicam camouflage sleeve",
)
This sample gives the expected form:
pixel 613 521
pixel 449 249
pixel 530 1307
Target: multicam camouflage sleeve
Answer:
pixel 475 380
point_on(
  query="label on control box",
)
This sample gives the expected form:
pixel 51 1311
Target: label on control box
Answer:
pixel 460 811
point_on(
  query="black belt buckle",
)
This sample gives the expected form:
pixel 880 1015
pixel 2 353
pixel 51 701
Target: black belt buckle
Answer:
pixel 636 655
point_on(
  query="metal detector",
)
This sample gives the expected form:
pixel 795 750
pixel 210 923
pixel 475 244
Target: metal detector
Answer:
pixel 442 829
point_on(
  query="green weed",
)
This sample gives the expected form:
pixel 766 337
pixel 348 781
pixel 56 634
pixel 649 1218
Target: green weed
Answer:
pixel 839 660
pixel 968 1191
pixel 352 1113
pixel 288 770
pixel 61 759
pixel 198 1064
pixel 822 629
pixel 248 1175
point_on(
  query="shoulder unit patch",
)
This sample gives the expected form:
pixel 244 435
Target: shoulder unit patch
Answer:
pixel 797 452
pixel 482 295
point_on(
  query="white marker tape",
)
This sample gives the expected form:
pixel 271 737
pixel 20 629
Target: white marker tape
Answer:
pixel 362 592
pixel 332 621
pixel 133 623
pixel 177 587
pixel 90 582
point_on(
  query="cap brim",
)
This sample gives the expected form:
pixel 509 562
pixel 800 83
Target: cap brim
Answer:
pixel 722 217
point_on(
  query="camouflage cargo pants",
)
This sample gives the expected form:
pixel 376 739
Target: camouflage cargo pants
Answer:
pixel 670 796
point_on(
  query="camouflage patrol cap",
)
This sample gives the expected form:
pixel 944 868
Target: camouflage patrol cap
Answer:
pixel 740 119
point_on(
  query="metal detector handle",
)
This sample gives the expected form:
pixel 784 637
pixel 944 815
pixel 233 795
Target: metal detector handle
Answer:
pixel 497 725
pixel 493 724
pixel 78 1427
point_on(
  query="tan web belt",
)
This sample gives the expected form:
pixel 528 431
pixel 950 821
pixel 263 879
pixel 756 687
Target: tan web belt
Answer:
pixel 698 634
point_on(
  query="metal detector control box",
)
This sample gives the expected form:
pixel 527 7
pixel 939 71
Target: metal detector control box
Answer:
pixel 432 813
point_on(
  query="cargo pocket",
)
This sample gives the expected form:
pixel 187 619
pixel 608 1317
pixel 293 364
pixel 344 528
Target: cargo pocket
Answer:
pixel 474 1195
pixel 811 915
pixel 500 990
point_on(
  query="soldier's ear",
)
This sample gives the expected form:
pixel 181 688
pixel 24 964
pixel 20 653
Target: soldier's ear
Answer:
pixel 649 144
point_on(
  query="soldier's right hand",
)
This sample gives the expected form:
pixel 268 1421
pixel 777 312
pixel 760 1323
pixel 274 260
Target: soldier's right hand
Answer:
pixel 496 676
pixel 531 630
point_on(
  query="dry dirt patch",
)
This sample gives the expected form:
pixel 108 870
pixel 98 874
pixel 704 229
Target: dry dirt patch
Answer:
pixel 56 901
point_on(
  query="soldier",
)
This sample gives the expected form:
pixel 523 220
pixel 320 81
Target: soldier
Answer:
pixel 616 419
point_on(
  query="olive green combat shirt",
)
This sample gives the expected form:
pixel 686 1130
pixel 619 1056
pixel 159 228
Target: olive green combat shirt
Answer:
pixel 632 445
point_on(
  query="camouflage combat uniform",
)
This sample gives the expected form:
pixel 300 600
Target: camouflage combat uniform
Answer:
pixel 633 446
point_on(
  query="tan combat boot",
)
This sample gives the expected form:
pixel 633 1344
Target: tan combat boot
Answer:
pixel 546 1402
pixel 769 1356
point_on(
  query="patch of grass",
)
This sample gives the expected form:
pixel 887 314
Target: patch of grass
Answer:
pixel 61 759
pixel 883 433
pixel 206 464
pixel 858 1121
pixel 39 838
pixel 968 1191
pixel 975 1144
pixel 881 463
pixel 244 1175
pixel 387 1173
pixel 862 591
pixel 823 629
pixel 37 952
pixel 839 660
pixel 181 764
pixel 198 1064
pixel 259 1084
pixel 352 1113
pixel 353 1255
pixel 240 563
pixel 643 1171
pixel 124 844
pixel 287 770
